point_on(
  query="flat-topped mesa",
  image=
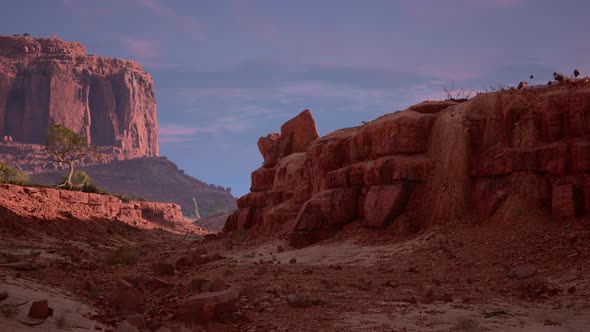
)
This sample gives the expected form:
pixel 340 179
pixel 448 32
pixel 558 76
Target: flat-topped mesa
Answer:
pixel 499 156
pixel 20 46
pixel 49 81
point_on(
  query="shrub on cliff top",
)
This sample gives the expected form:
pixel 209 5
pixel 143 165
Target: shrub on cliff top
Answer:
pixel 12 175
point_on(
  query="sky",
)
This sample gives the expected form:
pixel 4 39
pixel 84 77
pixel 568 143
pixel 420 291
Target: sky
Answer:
pixel 229 71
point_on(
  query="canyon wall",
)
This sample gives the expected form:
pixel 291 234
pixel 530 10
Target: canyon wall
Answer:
pixel 498 155
pixel 50 81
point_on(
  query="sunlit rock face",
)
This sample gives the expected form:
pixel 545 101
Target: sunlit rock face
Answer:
pixel 498 155
pixel 50 81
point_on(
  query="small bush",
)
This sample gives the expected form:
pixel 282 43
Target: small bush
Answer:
pixel 460 95
pixel 126 198
pixel 126 255
pixel 92 188
pixel 10 174
pixel 79 178
pixel 8 310
pixel 93 294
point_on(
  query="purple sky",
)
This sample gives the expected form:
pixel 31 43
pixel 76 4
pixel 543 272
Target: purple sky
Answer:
pixel 228 72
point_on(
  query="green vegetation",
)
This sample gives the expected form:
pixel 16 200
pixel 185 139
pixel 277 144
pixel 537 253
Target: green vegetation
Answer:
pixel 26 34
pixel 93 294
pixel 65 146
pixel 129 198
pixel 126 255
pixel 8 310
pixel 79 179
pixel 217 207
pixel 12 175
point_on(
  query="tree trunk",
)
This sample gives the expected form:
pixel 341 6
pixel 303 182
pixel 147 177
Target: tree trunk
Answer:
pixel 68 182
pixel 197 215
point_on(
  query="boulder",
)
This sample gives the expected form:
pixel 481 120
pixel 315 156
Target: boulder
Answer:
pixel 163 269
pixel 384 204
pixel 126 297
pixel 208 306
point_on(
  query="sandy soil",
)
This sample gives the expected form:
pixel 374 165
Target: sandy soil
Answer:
pixel 525 273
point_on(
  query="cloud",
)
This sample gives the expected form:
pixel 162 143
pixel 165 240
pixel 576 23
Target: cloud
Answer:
pixel 140 48
pixel 174 133
pixel 187 24
pixel 232 122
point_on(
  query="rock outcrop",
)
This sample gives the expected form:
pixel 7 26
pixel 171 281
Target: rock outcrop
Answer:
pixel 497 155
pixel 102 206
pixel 50 81
pixel 155 179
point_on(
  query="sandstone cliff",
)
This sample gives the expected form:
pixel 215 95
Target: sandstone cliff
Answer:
pixel 47 81
pixel 495 156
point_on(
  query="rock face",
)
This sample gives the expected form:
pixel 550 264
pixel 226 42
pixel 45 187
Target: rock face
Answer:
pixel 104 206
pixel 49 81
pixel 154 179
pixel 498 155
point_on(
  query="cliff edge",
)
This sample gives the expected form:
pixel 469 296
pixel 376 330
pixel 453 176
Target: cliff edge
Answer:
pixel 498 155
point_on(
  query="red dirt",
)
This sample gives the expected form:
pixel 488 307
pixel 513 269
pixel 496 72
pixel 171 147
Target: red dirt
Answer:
pixel 440 279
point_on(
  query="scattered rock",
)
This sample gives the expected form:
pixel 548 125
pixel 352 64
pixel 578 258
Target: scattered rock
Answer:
pixel 570 290
pixel 39 310
pixel 158 283
pixel 200 285
pixel 163 329
pixel 216 327
pixel 206 307
pixel 182 262
pixel 3 296
pixel 262 270
pixel 125 296
pixel 523 271
pixel 20 266
pixel 136 320
pixel 293 260
pixel 280 249
pixel 126 326
pixel 89 285
pixel 163 269
pixel 205 258
pixel 300 300
pixel 217 285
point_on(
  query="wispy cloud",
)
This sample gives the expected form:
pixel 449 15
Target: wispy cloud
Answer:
pixel 187 24
pixel 140 48
pixel 227 123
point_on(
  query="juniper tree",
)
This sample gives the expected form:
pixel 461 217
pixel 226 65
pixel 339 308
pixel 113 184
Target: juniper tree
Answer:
pixel 67 147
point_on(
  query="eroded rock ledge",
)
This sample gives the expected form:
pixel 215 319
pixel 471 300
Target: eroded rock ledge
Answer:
pixel 497 155
pixel 101 206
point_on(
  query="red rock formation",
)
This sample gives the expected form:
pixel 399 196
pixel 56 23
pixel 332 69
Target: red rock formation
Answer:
pixel 102 206
pixel 48 81
pixel 495 156
pixel 154 179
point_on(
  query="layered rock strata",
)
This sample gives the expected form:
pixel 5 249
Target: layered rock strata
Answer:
pixel 498 155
